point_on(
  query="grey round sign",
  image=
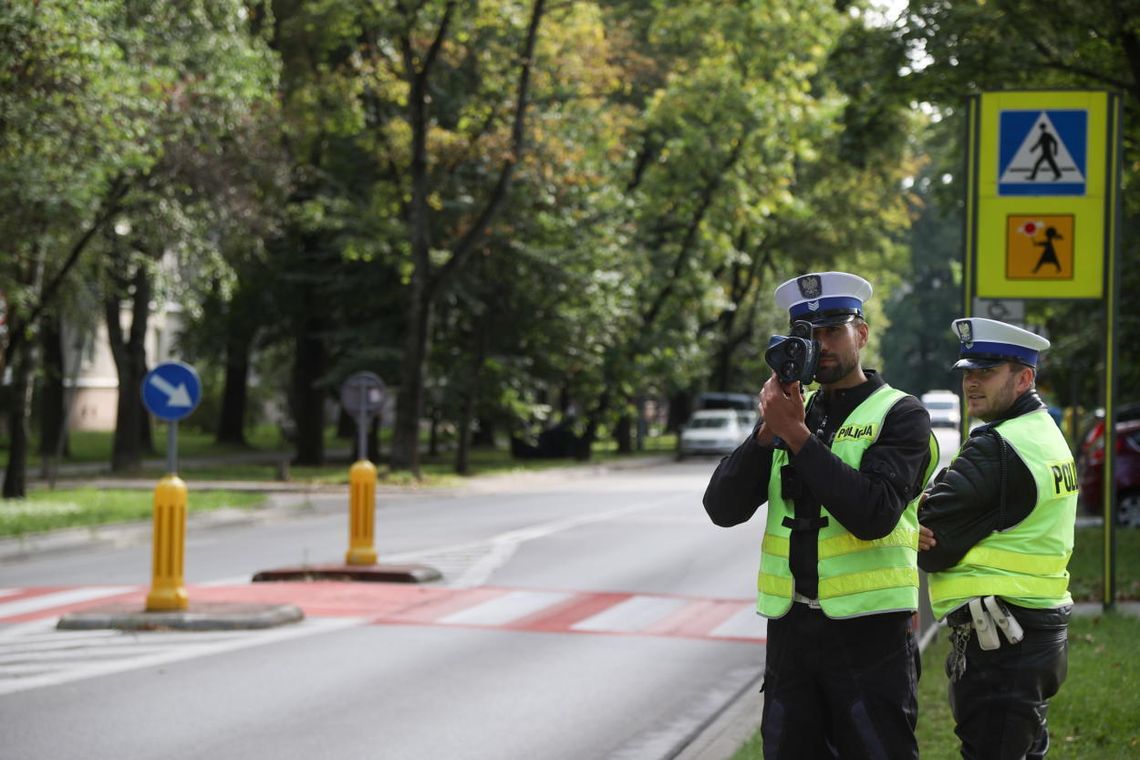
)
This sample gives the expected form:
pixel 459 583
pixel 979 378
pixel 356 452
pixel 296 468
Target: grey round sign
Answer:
pixel 362 392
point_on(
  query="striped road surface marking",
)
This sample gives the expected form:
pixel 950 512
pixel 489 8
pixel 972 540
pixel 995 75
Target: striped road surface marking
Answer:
pixel 33 653
pixel 547 610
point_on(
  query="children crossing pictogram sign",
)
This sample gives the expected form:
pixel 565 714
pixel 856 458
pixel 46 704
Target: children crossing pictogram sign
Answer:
pixel 1043 152
pixel 1040 247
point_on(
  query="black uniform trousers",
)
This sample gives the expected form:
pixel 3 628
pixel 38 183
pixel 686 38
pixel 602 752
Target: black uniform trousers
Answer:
pixel 999 701
pixel 840 688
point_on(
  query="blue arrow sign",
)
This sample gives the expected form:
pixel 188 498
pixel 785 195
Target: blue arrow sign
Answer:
pixel 171 391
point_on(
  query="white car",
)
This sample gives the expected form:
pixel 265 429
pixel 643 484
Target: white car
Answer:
pixel 715 431
pixel 944 407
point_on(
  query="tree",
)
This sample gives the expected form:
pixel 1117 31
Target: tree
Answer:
pixel 739 172
pixel 72 139
pixel 419 65
pixel 215 72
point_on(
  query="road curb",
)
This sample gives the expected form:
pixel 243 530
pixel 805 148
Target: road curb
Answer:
pixel 206 616
pixel 729 729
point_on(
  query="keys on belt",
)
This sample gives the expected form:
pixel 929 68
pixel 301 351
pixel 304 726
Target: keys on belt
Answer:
pixel 798 597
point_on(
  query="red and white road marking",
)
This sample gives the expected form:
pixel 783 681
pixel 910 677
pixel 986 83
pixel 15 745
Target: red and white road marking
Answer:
pixel 34 654
pixel 555 611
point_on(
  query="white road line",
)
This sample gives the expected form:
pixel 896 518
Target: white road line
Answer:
pixel 634 614
pixel 506 609
pixel 9 591
pixel 81 655
pixel 175 646
pixel 494 552
pixel 59 599
pixel 744 624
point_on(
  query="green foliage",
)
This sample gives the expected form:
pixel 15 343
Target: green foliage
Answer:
pixel 262 164
pixel 919 347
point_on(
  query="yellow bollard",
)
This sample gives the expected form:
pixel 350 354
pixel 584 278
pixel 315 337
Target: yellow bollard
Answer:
pixel 166 590
pixel 361 514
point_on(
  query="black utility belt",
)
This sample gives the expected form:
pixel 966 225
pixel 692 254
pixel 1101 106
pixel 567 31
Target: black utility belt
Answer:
pixel 1028 617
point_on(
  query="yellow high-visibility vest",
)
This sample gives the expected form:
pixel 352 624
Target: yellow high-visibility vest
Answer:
pixel 856 577
pixel 1027 564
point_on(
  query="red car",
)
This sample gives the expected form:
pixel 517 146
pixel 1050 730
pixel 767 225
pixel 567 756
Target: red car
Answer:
pixel 1126 466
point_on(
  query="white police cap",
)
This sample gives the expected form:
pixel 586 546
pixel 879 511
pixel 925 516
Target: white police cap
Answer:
pixel 987 343
pixel 824 298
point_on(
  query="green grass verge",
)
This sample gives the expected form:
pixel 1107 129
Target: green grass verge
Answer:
pixel 1086 567
pixel 68 506
pixel 1094 714
pixel 71 508
pixel 261 460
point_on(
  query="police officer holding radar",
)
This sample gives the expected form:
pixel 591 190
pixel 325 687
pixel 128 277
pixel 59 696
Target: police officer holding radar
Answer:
pixel 997 532
pixel 841 469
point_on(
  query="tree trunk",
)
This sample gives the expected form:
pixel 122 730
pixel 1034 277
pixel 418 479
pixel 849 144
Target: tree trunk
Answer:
pixel 130 363
pixel 433 433
pixel 624 434
pixel 16 473
pixel 593 423
pixel 483 436
pixel 463 447
pixel 53 396
pixel 309 399
pixel 469 401
pixel 426 281
pixel 235 391
pixel 680 408
pixel 410 399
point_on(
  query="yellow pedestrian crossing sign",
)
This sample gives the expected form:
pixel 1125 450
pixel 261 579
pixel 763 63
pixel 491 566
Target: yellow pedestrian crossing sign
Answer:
pixel 1041 193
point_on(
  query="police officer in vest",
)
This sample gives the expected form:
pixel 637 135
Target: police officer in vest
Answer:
pixel 997 532
pixel 841 469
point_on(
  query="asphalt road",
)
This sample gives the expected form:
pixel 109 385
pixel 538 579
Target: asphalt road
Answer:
pixel 585 615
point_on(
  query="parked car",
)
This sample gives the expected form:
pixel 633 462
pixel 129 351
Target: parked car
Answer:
pixel 718 400
pixel 1126 467
pixel 944 407
pixel 715 431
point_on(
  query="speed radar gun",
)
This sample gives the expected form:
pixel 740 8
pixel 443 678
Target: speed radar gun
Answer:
pixel 795 356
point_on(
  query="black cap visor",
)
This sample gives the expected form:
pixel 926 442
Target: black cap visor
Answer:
pixel 985 361
pixel 830 318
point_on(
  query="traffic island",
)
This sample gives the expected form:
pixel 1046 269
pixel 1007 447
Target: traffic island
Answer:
pixel 375 573
pixel 201 616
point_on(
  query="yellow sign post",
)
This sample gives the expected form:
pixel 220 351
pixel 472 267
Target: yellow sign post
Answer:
pixel 1042 206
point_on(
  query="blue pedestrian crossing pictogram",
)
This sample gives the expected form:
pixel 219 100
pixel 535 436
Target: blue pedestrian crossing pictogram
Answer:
pixel 1043 153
